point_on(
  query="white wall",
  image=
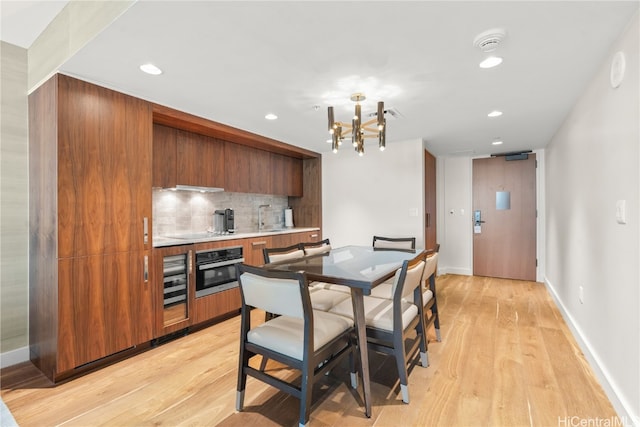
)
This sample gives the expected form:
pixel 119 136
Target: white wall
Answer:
pixel 454 215
pixel 378 193
pixel 14 206
pixel 592 162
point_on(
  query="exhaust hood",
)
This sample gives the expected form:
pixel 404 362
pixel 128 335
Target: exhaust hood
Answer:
pixel 200 189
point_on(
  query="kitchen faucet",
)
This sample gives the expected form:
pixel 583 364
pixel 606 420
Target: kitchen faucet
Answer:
pixel 260 221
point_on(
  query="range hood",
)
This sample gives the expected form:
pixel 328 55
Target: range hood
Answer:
pixel 200 189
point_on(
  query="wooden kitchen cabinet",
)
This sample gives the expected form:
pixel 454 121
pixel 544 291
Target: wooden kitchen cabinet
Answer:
pixel 102 299
pixel 286 175
pixel 247 169
pixel 90 218
pixel 165 150
pixel 288 239
pixel 253 249
pixel 200 160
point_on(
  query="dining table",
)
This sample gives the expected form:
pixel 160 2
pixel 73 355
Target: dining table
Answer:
pixel 361 268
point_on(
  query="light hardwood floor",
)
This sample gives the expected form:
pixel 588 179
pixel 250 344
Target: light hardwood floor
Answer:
pixel 506 359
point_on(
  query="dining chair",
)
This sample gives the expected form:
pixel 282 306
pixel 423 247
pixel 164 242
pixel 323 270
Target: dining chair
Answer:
pixel 310 341
pixel 321 298
pixel 282 254
pixel 429 298
pixel 323 247
pixel 390 322
pixel 314 248
pixel 380 242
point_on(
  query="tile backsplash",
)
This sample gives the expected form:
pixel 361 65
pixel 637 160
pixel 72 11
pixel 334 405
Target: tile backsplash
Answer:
pixel 187 212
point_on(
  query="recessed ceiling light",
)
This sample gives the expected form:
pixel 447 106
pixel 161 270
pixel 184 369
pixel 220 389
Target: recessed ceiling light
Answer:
pixel 151 69
pixel 491 62
pixel 270 116
pixel 495 113
pixel 496 142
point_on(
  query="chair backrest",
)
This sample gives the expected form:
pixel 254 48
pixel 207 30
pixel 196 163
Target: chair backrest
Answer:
pixel 282 254
pixel 431 265
pixel 314 248
pixel 276 292
pixel 408 277
pixel 394 242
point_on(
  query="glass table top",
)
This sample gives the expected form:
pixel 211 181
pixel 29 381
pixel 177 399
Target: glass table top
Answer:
pixel 356 266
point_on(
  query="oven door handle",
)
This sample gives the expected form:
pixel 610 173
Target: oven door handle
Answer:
pixel 219 264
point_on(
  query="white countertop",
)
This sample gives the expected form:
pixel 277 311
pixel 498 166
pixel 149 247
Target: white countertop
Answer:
pixel 187 239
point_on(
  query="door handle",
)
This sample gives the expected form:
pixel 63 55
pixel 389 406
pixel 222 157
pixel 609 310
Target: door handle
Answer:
pixel 428 219
pixel 146 269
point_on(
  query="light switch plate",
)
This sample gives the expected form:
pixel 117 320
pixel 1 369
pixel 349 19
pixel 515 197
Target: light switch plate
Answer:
pixel 621 211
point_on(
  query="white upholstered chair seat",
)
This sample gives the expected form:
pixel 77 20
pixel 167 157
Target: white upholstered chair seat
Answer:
pixel 286 334
pixel 332 287
pixel 325 299
pixel 378 312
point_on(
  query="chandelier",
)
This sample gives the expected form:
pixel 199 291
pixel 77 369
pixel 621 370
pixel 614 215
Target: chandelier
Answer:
pixel 359 130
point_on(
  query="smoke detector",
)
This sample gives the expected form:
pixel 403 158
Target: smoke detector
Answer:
pixel 489 40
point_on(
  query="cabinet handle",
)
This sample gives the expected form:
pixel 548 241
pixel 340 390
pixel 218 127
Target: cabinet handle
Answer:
pixel 146 268
pixel 189 262
pixel 258 243
pixel 314 235
pixel 428 219
pixel 145 230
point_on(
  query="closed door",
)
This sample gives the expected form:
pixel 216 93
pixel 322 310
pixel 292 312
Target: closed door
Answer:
pixel 504 218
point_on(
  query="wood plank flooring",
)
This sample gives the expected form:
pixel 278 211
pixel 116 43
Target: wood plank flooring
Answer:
pixel 506 359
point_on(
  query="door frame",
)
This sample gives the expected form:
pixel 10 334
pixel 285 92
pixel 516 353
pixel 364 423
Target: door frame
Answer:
pixel 540 221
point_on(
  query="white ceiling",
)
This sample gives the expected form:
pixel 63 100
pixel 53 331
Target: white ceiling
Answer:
pixel 233 62
pixel 23 21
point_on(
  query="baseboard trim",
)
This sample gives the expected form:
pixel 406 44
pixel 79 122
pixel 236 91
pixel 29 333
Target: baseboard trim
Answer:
pixel 13 357
pixel 620 404
pixel 454 270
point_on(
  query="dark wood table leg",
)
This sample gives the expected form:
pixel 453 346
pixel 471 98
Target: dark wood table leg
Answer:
pixel 361 328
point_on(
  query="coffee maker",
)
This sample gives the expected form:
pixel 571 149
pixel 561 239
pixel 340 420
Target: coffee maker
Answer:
pixel 224 222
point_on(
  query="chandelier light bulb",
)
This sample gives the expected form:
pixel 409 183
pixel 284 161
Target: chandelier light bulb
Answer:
pixel 357 128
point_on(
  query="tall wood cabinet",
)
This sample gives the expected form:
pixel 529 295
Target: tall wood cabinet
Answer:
pixel 90 224
pixel 430 238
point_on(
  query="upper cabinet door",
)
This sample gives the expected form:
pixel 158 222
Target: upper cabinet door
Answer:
pixel 247 169
pixel 165 140
pixel 200 160
pixel 104 170
pixel 286 175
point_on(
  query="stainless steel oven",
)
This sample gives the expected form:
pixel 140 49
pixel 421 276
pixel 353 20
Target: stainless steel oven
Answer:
pixel 216 270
